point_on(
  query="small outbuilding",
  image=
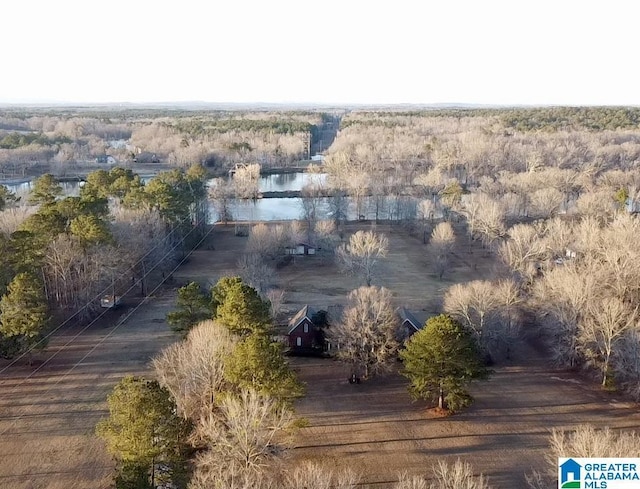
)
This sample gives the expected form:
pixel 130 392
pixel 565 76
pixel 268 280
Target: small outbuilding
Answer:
pixel 300 249
pixel 409 324
pixel 110 301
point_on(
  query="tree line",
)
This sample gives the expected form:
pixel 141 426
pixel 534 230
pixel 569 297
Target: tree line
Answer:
pixel 68 140
pixel 61 253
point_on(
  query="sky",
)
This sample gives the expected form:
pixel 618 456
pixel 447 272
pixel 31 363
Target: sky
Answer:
pixel 516 52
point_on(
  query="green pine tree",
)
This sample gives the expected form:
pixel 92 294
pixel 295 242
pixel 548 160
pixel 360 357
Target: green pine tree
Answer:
pixel 90 229
pixel 24 311
pixel 193 307
pixel 143 432
pixel 258 363
pixel 239 307
pixel 45 190
pixel 440 360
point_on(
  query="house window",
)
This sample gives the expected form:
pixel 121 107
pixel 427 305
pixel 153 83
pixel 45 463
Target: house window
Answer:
pixel 305 328
pixel 298 341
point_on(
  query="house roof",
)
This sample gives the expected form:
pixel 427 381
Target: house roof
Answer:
pixel 406 315
pixel 306 245
pixel 306 312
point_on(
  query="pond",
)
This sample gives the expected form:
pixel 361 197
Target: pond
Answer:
pixel 277 208
pixel 280 182
pixel 277 182
pixel 22 189
pixel 271 209
pixel 283 209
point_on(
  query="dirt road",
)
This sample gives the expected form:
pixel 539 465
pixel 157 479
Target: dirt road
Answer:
pixel 47 418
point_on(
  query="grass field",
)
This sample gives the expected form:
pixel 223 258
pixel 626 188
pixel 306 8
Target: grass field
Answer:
pixel 47 416
pixel 310 280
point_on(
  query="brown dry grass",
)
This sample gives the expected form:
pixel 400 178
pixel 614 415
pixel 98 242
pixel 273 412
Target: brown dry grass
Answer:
pixel 47 420
pixel 310 280
pixel 48 416
pixel 375 428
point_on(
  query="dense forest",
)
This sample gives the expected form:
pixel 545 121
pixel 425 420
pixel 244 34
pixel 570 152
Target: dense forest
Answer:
pixel 62 254
pixel 552 193
pixel 34 141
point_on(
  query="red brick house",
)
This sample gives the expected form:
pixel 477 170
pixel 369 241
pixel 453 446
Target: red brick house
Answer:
pixel 303 334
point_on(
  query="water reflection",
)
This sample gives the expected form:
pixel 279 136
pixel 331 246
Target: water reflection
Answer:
pixel 280 208
pixel 284 209
pixel 280 182
pixel 69 189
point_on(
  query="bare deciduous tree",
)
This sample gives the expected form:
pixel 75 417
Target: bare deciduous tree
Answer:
pixel 440 247
pixel 363 252
pixel 598 204
pixel 426 214
pixel 193 370
pixel 366 336
pixel 602 329
pixel 12 217
pixel 523 251
pixel 586 441
pixel 326 238
pixel 222 195
pixel 546 202
pixel 458 475
pixel 244 436
pixel 256 273
pixel 311 198
pixel 276 299
pixel 142 235
pixel 338 206
pixel 563 296
pixel 558 236
pixel 628 364
pixel 475 304
pixel 583 442
pixel 485 217
pixel 246 181
pixel 246 185
pixel 310 475
pixel 406 481
pixel 267 241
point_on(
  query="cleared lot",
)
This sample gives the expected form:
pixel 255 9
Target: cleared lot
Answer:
pixel 47 420
pixel 375 429
pixel 312 280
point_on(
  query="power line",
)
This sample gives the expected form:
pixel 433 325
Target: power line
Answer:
pixel 108 335
pixel 99 296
